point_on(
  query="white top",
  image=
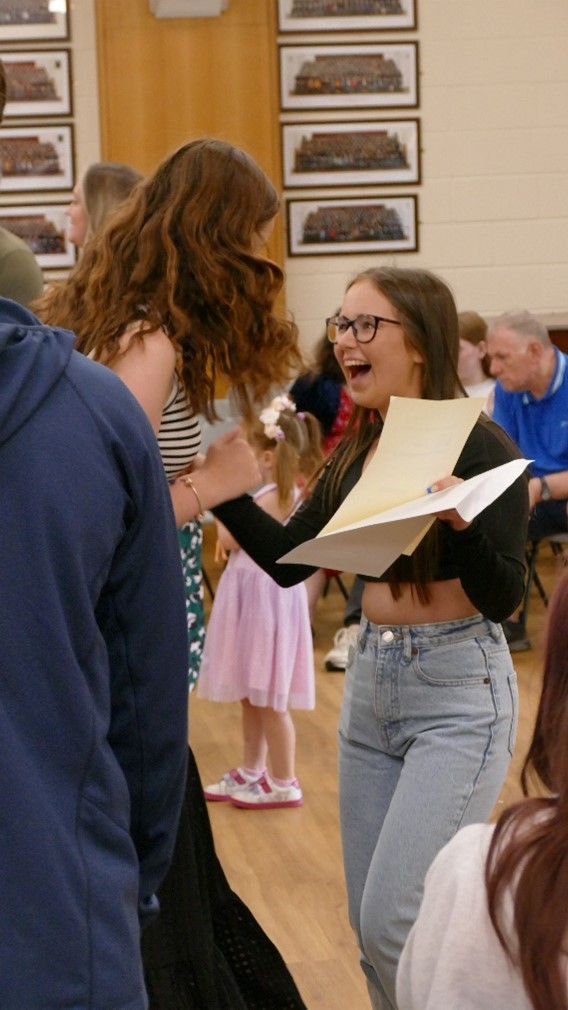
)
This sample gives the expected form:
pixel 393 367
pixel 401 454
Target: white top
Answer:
pixel 485 389
pixel 452 959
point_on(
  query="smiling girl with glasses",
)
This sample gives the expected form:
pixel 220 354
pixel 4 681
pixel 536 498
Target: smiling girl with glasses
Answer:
pixel 429 713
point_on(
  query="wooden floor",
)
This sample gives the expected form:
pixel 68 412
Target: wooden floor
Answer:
pixel 286 864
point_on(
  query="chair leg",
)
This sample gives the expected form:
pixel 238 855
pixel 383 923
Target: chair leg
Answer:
pixel 340 584
pixel 531 556
pixel 559 552
pixel 342 588
pixel 542 591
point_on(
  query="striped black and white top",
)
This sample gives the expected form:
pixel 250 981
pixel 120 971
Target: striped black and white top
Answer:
pixel 179 436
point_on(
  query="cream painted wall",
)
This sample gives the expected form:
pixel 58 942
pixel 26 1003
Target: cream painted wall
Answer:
pixel 85 89
pixel 85 118
pixel 493 199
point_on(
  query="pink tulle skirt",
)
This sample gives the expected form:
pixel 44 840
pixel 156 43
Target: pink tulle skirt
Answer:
pixel 258 643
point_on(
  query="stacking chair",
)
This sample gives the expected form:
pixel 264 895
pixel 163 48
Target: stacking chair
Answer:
pixel 557 542
pixel 333 576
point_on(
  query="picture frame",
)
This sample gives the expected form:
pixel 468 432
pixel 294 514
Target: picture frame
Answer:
pixel 44 228
pixel 36 157
pixel 374 224
pixel 349 76
pixel 346 16
pixel 40 21
pixel 381 152
pixel 38 83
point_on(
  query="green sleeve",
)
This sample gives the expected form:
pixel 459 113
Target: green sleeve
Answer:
pixel 20 277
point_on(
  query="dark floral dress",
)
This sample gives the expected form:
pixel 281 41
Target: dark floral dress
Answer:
pixel 191 540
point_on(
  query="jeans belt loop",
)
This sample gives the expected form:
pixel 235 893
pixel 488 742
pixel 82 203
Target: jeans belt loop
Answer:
pixel 364 633
pixel 494 630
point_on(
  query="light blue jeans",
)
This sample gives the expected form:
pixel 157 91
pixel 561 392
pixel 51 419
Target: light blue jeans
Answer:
pixel 426 734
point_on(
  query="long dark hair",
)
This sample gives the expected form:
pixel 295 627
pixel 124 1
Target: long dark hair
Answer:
pixel 178 256
pixel 325 362
pixel 529 848
pixel 428 313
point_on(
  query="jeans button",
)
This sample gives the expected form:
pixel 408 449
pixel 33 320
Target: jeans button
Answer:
pixel 387 636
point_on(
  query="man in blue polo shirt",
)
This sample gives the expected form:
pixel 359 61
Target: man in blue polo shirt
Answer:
pixel 531 403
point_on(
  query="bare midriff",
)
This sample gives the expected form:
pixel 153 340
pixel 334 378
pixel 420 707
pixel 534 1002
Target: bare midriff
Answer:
pixel 448 602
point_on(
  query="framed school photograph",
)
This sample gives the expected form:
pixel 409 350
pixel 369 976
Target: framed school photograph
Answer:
pixel 34 20
pixel 35 158
pixel 44 229
pixel 381 152
pixel 349 76
pixel 345 15
pixel 374 225
pixel 38 83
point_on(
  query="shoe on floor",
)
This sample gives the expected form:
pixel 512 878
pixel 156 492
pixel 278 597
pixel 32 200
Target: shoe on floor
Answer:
pixel 516 635
pixel 338 655
pixel 227 785
pixel 264 794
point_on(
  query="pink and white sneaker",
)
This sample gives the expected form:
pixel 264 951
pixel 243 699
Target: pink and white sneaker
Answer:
pixel 228 784
pixel 264 794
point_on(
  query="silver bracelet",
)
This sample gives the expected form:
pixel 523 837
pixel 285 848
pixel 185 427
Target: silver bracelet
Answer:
pixel 186 479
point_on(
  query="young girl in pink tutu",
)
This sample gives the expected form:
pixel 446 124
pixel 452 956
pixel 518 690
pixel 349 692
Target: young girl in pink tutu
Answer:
pixel 258 648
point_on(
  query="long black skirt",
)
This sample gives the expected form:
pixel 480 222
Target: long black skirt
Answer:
pixel 206 951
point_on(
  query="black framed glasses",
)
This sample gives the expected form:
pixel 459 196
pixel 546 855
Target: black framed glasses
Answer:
pixel 364 327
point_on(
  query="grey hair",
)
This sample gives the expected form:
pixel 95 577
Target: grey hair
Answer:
pixel 523 323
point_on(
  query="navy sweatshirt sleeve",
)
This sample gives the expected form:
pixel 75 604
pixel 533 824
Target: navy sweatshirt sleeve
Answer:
pixel 141 614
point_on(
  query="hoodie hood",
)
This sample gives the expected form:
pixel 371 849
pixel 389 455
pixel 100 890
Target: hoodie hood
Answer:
pixel 33 359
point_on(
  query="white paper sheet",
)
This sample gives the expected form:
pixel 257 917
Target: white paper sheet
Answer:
pixel 420 443
pixel 370 545
pixel 387 512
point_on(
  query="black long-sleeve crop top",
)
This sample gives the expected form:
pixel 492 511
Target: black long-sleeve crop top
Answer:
pixel 488 557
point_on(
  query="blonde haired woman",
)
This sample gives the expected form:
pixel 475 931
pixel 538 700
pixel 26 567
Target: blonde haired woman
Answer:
pixel 103 186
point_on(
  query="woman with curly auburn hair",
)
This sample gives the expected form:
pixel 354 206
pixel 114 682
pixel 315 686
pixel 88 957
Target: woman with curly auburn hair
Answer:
pixel 515 926
pixel 171 295
pixel 181 260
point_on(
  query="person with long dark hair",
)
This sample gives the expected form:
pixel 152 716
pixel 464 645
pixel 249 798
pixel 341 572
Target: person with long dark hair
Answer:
pixel 493 923
pixel 322 392
pixel 428 721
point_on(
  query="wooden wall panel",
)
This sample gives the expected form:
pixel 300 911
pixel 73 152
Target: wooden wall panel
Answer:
pixel 165 81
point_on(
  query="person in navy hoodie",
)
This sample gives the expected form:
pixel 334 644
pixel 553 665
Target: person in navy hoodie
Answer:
pixel 93 676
